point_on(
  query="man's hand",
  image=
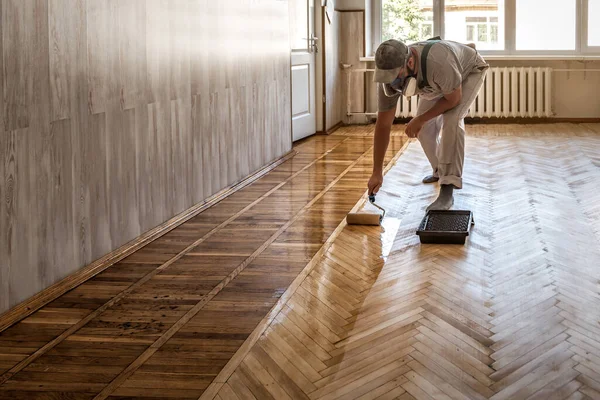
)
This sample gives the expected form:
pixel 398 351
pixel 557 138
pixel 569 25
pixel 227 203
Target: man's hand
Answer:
pixel 375 183
pixel 414 127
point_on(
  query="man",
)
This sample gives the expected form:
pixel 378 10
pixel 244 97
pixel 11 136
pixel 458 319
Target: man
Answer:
pixel 447 83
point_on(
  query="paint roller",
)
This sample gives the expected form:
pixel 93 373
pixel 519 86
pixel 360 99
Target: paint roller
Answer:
pixel 363 218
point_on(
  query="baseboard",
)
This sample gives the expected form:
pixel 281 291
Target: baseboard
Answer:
pixel 44 297
pixel 335 127
pixel 518 120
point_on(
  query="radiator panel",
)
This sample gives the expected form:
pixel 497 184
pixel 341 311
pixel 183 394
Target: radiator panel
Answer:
pixel 506 92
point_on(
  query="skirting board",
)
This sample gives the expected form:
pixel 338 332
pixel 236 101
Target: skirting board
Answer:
pixel 51 293
pixel 516 120
pixel 332 129
pixel 335 127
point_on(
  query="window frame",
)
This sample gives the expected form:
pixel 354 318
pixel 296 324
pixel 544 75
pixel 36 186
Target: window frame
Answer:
pixel 593 50
pixel 581 50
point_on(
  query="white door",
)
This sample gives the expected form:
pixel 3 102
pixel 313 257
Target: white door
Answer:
pixel 304 48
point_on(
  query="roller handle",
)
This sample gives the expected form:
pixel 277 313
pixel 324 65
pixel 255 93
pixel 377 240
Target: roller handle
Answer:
pixel 372 201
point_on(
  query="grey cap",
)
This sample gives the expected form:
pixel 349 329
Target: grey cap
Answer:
pixel 390 57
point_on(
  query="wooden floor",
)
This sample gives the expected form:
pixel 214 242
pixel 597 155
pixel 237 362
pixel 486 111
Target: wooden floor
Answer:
pixel 270 295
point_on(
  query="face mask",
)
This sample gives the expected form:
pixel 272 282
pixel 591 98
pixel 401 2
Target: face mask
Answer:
pixel 403 86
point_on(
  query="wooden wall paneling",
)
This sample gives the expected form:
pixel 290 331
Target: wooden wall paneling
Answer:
pixel 180 101
pixel 132 53
pixel 273 135
pixel 38 138
pixel 84 156
pixel 227 146
pixel 200 42
pixel 197 158
pixel 243 47
pixel 165 158
pixel 261 113
pixel 204 136
pixel 253 142
pixel 61 29
pixel 97 54
pixel 216 10
pixel 232 30
pixel 253 132
pixel 114 121
pixel 2 78
pixel 176 169
pixel 96 144
pixel 16 37
pixel 144 179
pixel 181 131
pixel 244 131
pixel 58 194
pixel 236 132
pixel 128 189
pixel 8 216
pixel 232 145
pixel 219 128
pixel 179 47
pixel 23 253
pixel 158 60
pixel 214 155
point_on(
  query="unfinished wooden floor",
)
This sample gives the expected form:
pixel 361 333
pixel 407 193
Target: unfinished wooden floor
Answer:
pixel 267 295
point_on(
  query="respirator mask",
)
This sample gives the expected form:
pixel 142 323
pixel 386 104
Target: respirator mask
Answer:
pixel 406 86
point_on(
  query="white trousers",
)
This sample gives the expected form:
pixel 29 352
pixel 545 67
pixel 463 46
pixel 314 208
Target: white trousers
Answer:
pixel 446 152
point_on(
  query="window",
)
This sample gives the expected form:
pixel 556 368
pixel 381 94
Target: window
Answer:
pixel 593 23
pixel 426 27
pixel 482 30
pixel 407 20
pixel 477 21
pixel 556 30
pixel 503 27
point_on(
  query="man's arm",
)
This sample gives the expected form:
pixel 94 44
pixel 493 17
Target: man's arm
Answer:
pixel 383 127
pixel 448 102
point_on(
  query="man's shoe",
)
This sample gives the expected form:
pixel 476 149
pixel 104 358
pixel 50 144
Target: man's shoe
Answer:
pixel 430 179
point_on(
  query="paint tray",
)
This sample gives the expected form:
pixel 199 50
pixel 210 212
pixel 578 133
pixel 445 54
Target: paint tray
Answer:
pixel 447 227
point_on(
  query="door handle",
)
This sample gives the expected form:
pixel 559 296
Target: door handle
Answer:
pixel 313 43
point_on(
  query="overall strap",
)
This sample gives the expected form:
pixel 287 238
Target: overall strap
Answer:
pixel 424 54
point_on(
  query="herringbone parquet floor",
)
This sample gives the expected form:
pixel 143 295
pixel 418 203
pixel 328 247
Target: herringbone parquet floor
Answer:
pixel 513 314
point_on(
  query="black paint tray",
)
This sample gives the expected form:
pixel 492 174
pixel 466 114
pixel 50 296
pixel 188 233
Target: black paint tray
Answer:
pixel 449 227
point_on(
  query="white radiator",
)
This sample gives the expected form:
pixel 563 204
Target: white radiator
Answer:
pixel 506 92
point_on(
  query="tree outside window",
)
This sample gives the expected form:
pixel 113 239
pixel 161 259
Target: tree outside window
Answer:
pixel 407 20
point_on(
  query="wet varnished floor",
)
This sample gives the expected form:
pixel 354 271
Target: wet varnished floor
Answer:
pixel 163 322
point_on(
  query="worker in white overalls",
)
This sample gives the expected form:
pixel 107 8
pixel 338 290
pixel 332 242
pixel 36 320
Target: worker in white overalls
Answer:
pixel 447 83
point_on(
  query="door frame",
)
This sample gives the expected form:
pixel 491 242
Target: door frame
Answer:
pixel 320 76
